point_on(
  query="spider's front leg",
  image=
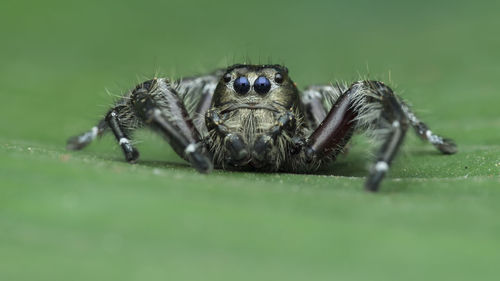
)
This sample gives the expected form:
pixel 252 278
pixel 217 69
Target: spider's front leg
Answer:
pixel 369 106
pixel 121 134
pixel 160 107
pixel 314 97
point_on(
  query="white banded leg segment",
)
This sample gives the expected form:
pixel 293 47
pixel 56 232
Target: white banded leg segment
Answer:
pixel 89 136
pixel 398 122
pixel 124 141
pixel 381 167
pixel 434 139
pixel 79 142
pixel 190 148
pixel 446 146
pixel 131 154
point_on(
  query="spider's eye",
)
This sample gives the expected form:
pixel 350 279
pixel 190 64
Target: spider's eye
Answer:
pixel 227 77
pixel 262 85
pixel 241 85
pixel 278 78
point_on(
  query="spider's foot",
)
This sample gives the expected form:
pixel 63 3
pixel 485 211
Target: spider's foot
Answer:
pixel 81 141
pixel 131 154
pixel 76 143
pixel 447 146
pixel 196 155
pixel 373 181
pixel 376 176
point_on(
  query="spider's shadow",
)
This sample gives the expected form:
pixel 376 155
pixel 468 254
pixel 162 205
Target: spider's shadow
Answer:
pixel 163 164
pixel 146 162
pixel 353 165
pixel 346 167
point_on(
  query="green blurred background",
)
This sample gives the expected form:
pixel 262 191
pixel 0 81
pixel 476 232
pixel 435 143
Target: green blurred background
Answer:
pixel 90 216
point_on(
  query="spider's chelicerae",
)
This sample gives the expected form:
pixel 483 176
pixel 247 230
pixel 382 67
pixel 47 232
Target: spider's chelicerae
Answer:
pixel 253 117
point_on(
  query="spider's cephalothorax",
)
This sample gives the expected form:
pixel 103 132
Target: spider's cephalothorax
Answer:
pixel 252 117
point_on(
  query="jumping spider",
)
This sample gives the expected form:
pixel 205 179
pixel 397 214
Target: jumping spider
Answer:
pixel 253 117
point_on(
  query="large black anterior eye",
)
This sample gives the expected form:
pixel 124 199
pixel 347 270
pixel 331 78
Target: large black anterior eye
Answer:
pixel 262 85
pixel 241 85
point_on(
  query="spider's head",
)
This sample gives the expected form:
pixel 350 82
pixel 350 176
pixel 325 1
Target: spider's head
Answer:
pixel 256 85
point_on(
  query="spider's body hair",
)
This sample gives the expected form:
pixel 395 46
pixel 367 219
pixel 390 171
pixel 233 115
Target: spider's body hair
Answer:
pixel 192 90
pixel 364 102
pixel 251 124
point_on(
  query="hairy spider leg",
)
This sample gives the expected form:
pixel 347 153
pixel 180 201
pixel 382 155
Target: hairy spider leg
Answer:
pixel 121 123
pixel 80 141
pixel 315 97
pixel 159 107
pixel 197 94
pixel 156 104
pixel 445 145
pixel 130 152
pixel 312 100
pixel 188 98
pixel 393 113
pixel 366 105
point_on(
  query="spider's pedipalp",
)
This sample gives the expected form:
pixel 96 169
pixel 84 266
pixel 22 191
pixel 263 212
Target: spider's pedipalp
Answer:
pixel 231 142
pixel 286 123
